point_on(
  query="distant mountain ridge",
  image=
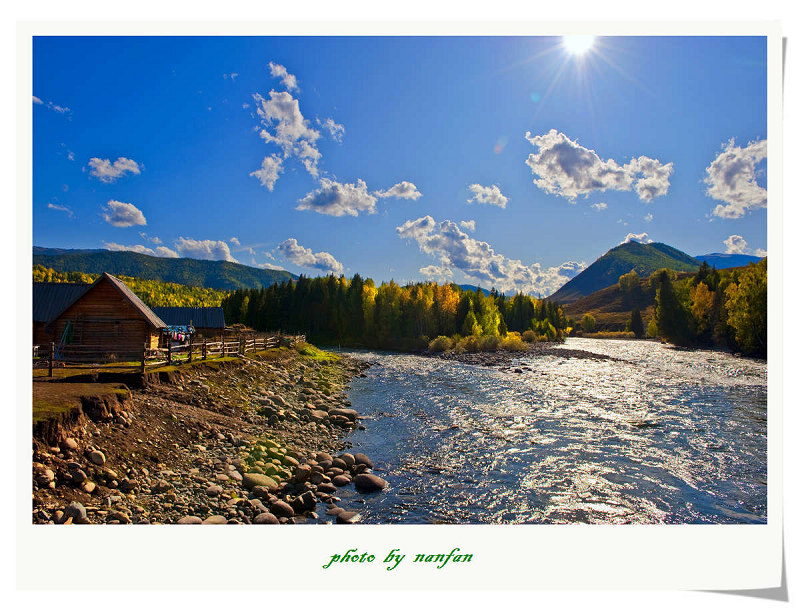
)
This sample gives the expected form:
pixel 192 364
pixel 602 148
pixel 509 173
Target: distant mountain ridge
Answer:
pixel 221 275
pixel 725 260
pixel 644 258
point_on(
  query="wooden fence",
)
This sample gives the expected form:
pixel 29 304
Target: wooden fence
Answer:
pixel 51 355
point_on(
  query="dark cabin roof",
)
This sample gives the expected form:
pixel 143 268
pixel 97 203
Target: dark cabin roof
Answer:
pixel 52 298
pixel 137 303
pixel 201 318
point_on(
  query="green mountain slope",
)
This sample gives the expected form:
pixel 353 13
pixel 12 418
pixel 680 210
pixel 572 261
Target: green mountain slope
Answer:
pixel 221 275
pixel 644 258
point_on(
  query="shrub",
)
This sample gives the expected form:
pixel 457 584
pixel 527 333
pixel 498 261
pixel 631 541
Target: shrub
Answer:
pixel 587 323
pixel 488 343
pixel 513 343
pixel 467 344
pixel 440 344
pixel 529 336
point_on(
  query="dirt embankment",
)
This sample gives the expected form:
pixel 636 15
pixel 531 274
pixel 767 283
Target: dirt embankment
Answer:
pixel 247 441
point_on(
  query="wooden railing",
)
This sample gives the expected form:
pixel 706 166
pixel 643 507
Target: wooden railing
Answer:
pixel 76 355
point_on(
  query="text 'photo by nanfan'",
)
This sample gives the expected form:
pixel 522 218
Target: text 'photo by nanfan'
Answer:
pixel 399 280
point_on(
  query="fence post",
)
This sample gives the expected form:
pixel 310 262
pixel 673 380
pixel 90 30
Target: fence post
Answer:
pixel 50 357
pixel 169 351
pixel 223 345
pixel 144 356
pixel 204 349
pixel 191 343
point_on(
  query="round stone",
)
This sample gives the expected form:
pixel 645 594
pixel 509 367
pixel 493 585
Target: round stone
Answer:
pixel 367 482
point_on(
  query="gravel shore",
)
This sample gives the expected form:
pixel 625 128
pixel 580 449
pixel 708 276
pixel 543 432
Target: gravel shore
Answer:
pixel 253 441
pixel 505 359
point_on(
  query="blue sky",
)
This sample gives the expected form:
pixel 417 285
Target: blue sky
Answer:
pixel 500 161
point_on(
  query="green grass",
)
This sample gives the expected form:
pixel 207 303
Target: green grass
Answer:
pixel 52 400
pixel 312 352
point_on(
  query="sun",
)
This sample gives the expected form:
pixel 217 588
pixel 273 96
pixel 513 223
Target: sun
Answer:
pixel 578 44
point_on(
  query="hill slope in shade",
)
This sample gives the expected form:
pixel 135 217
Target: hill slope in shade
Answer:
pixel 724 260
pixel 605 272
pixel 221 275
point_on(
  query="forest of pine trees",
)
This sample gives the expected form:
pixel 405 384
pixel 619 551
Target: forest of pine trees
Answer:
pixel 152 292
pixel 355 312
pixel 714 307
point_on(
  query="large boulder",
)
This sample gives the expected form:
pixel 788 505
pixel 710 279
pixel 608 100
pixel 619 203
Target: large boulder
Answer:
pixel 368 482
pixel 251 480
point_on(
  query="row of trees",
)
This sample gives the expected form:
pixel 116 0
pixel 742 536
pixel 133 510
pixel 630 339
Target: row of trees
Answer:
pixel 355 311
pixel 727 307
pixel 152 292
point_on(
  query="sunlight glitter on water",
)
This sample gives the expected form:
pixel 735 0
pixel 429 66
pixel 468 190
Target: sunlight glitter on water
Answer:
pixel 660 435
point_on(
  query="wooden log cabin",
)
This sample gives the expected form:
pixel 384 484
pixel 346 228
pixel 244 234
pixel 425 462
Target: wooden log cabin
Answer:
pixel 105 313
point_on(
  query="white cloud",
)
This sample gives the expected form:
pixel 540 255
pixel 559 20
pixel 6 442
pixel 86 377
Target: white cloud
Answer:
pixel 336 130
pixel 245 105
pixel 269 266
pixel 648 217
pixel 600 206
pixel 456 250
pixel 567 169
pixel 161 251
pixel 731 178
pixel 339 199
pixel 106 171
pixel 467 225
pixel 305 257
pixel 267 174
pixel 120 214
pixel 284 125
pixel 488 195
pixel 642 238
pixel 212 250
pixel 435 272
pixel 61 208
pixel 231 76
pixel 153 239
pixel 62 110
pixel 402 190
pixel 235 241
pixel 737 245
pixel 277 71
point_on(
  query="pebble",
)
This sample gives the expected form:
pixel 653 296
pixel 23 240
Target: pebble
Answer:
pixel 216 519
pixel 265 518
pixel 190 520
pixel 97 457
pixel 347 517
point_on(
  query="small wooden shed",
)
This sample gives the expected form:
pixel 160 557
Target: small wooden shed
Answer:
pixel 207 321
pixel 106 313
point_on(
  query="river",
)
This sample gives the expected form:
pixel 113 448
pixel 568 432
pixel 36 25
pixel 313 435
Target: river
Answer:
pixel 659 436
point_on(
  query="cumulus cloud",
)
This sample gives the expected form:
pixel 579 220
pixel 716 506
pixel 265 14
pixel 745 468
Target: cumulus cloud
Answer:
pixel 61 208
pixel 267 174
pixel 567 169
pixel 467 225
pixel 161 251
pixel 642 238
pixel 336 130
pixel 211 250
pixel 305 257
pixel 402 190
pixel 284 125
pixel 339 199
pixel 737 245
pixel 277 71
pixel 456 250
pixel 105 171
pixel 120 214
pixel 235 241
pixel 488 195
pixel 731 178
pixel 600 206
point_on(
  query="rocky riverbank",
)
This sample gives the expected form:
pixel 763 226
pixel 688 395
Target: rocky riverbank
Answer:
pixel 505 360
pixel 253 441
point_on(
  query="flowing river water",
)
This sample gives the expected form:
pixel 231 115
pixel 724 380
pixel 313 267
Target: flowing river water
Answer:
pixel 658 436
